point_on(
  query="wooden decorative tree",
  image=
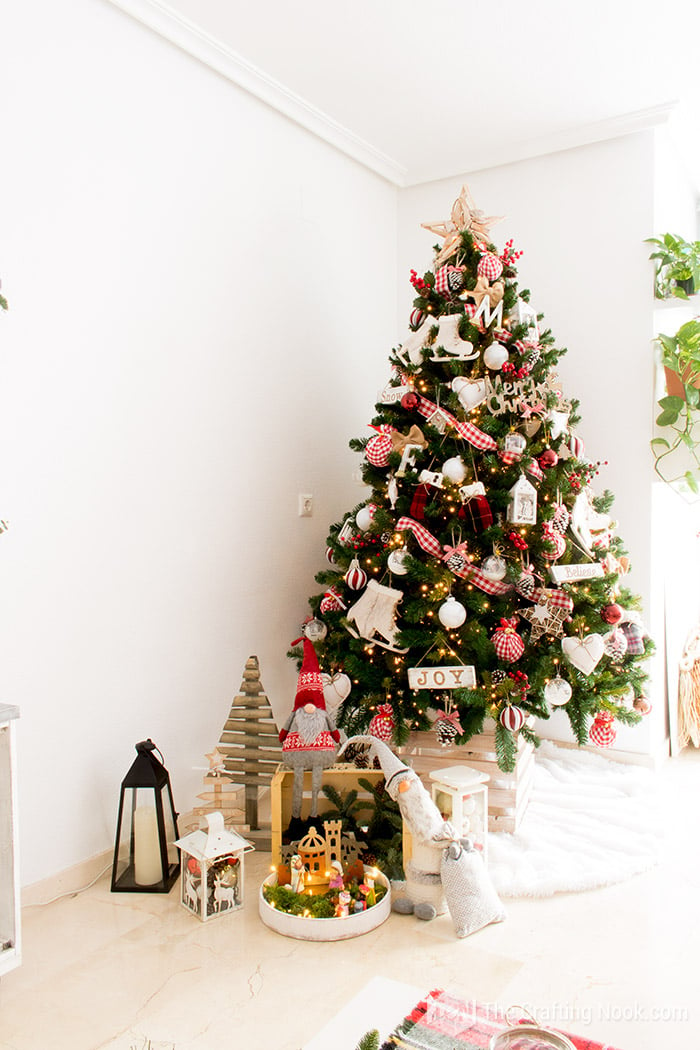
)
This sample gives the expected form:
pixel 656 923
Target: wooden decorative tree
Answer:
pixel 250 744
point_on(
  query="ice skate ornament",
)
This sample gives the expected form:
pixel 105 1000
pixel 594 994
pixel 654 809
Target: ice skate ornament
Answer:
pixel 411 349
pixel 374 616
pixel 430 875
pixel 309 736
pixel 449 341
pixel 464 218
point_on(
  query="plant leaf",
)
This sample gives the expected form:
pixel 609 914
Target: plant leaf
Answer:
pixel 667 418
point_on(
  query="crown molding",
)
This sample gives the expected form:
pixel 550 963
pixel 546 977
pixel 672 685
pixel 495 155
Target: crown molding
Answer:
pixel 571 138
pixel 187 36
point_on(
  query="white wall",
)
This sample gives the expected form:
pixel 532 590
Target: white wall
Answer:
pixel 580 217
pixel 202 304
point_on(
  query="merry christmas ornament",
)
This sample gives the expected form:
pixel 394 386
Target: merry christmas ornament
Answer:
pixel 557 692
pixel 584 653
pixel 452 613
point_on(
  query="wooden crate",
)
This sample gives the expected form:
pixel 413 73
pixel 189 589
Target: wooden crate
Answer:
pixel 342 777
pixel 509 793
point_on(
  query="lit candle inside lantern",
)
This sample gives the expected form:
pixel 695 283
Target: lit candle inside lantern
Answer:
pixel 147 863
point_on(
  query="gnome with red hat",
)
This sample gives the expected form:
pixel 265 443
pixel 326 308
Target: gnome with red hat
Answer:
pixel 309 736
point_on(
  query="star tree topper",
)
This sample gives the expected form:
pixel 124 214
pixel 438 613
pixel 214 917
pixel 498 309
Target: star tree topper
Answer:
pixel 464 216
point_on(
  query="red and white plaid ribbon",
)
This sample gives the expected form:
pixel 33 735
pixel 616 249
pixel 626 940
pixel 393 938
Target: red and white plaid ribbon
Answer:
pixel 454 557
pixel 442 278
pixel 468 431
pixel 555 597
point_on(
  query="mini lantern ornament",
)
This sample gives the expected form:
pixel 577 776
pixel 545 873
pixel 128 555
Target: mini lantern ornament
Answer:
pixel 145 855
pixel 602 733
pixel 355 577
pixel 452 613
pixel 461 796
pixel 522 508
pixel 212 869
pixel 515 443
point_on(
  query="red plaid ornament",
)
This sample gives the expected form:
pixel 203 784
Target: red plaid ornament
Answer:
pixel 556 544
pixel 489 266
pixel 535 470
pixel 379 448
pixel 382 724
pixel 635 638
pixel 602 733
pixel 477 513
pixel 449 279
pixel 507 642
pixel 331 601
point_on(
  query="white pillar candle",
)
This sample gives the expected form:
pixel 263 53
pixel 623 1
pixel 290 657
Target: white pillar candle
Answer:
pixel 147 865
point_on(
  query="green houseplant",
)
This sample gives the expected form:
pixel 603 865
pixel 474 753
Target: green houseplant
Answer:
pixel 677 266
pixel 680 408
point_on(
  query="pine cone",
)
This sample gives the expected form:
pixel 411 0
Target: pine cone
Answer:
pixel 369 858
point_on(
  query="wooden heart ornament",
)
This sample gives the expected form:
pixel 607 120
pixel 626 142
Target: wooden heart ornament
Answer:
pixel 584 653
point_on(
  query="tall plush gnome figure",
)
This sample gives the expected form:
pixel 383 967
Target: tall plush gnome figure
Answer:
pixel 309 737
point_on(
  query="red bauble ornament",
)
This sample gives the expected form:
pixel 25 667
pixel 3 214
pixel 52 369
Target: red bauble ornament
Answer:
pixel 611 614
pixel 602 733
pixel 512 717
pixel 642 705
pixel 548 459
pixel 409 401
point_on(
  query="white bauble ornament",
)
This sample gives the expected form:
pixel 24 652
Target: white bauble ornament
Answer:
pixel 336 688
pixel 471 392
pixel 557 692
pixel 495 356
pixel 584 653
pixel 455 470
pixel 396 562
pixel 452 613
pixel 363 518
pixel 494 567
pixel 315 630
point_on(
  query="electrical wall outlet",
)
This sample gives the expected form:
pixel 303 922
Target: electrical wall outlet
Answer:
pixel 306 505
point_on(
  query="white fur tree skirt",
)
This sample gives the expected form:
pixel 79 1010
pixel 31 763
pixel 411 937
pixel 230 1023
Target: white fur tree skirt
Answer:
pixel 590 822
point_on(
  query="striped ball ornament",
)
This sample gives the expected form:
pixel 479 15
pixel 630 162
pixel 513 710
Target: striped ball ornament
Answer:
pixel 490 266
pixel 512 718
pixel 355 577
pixel 416 319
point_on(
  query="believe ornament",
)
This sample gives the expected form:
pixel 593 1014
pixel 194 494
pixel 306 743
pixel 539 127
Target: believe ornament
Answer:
pixel 512 717
pixel 584 653
pixel 382 724
pixel 452 613
pixel 355 577
pixel 507 642
pixel 557 692
pixel 602 733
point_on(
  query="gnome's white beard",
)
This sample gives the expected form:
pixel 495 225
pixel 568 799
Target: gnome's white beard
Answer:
pixel 420 812
pixel 310 724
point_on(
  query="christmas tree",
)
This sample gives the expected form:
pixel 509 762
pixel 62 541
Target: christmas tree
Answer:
pixel 482 578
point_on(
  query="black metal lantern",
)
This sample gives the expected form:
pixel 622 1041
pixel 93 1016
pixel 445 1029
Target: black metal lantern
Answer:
pixel 145 855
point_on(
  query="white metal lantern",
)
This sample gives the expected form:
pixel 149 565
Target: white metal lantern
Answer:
pixel 211 873
pixel 522 508
pixel 461 795
pixel 10 936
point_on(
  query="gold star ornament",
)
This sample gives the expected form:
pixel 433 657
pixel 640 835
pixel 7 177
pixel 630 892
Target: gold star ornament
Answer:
pixel 464 216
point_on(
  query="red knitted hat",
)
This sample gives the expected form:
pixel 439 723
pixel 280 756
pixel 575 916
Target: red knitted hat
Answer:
pixel 309 685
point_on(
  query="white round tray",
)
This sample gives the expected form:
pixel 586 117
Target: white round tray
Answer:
pixel 325 929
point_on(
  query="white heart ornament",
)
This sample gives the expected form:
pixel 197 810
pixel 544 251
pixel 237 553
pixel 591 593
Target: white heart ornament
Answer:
pixel 584 653
pixel 336 688
pixel 471 392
